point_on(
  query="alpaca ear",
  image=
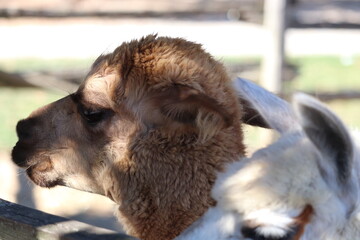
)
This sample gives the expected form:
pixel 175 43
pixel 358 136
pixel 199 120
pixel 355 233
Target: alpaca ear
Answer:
pixel 263 108
pixel 187 105
pixel 327 132
pixel 251 116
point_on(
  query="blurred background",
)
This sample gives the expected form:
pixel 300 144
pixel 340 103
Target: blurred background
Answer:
pixel 47 47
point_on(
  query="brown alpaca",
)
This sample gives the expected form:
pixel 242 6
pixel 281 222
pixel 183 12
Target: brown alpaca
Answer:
pixel 150 127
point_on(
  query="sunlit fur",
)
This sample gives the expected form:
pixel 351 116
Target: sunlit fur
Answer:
pixel 169 119
pixel 296 187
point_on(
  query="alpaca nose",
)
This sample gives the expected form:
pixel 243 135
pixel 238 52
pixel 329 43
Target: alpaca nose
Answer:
pixel 24 128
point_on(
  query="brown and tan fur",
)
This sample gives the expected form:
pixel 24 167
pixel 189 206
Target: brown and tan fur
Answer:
pixel 169 117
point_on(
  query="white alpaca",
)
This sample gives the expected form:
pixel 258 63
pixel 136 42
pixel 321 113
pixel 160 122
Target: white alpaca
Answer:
pixel 304 186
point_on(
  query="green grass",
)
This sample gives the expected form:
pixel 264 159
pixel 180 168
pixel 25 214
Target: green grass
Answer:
pixel 16 104
pixel 323 73
pixel 36 64
pixel 348 111
pixel 329 73
pixel 316 73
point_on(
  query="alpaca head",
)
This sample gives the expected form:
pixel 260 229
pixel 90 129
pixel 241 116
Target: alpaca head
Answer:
pixel 149 127
pixel 303 186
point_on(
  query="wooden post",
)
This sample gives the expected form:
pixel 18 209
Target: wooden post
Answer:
pixel 273 59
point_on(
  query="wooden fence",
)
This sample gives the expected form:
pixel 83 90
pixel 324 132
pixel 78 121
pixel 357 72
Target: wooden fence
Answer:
pixel 19 222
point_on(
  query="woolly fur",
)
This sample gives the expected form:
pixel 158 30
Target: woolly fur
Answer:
pixel 168 120
pixel 293 189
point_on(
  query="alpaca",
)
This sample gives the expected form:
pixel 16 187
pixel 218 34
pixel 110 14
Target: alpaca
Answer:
pixel 304 186
pixel 150 127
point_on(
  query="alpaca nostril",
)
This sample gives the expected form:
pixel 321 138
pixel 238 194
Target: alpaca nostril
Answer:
pixel 24 128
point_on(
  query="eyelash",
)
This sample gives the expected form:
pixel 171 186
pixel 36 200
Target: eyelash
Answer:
pixel 93 116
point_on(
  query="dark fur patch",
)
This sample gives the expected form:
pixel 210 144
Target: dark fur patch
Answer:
pixel 252 233
pixel 251 116
pixel 327 137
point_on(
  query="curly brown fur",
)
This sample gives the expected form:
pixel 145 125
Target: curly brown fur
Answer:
pixel 150 127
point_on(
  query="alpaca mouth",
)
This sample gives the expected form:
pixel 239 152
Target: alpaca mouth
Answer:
pixel 38 166
pixel 42 174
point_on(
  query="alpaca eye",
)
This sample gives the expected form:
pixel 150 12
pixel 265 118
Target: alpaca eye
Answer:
pixel 92 117
pixel 253 233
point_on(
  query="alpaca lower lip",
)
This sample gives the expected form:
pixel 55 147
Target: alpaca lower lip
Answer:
pixel 38 175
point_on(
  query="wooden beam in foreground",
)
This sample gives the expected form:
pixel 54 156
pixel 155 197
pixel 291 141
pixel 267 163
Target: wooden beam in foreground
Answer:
pixel 19 222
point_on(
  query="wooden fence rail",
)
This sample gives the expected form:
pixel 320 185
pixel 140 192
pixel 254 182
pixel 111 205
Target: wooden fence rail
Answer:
pixel 19 222
pixel 329 96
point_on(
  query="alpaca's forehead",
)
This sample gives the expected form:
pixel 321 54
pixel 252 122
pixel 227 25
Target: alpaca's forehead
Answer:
pixel 99 89
pixel 291 161
pixel 280 173
pixel 100 83
pixel 292 152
